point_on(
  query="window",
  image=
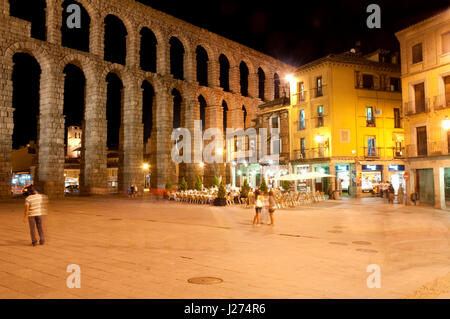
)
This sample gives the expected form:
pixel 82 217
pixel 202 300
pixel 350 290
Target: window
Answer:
pixel 371 146
pixel 301 91
pixel 395 84
pixel 274 122
pixel 320 116
pixel 419 97
pixel 417 53
pixel 370 117
pixel 302 121
pixel 303 147
pixel 368 81
pixel 398 151
pixel 397 118
pixel 319 91
pixel 422 146
pixel 446 42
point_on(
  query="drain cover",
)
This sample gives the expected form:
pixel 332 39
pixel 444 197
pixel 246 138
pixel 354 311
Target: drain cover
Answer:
pixel 367 250
pixel 363 243
pixel 205 281
pixel 337 243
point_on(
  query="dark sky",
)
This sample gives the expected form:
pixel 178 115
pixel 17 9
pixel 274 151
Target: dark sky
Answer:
pixel 298 32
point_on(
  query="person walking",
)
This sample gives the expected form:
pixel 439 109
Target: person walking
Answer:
pixel 391 192
pixel 272 206
pixel 400 194
pixel 35 208
pixel 258 208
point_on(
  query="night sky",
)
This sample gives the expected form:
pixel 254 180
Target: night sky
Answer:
pixel 298 32
pixel 294 32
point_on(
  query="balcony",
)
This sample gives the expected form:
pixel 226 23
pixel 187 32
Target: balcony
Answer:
pixel 301 96
pixel 398 152
pixel 319 92
pixel 441 102
pixel 312 153
pixel 417 107
pixel 372 152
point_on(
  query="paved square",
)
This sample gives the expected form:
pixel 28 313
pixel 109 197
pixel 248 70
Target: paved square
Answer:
pixel 139 248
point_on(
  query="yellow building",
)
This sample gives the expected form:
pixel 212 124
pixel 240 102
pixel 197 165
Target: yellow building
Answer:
pixel 425 54
pixel 345 120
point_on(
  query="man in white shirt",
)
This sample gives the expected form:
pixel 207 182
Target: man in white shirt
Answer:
pixel 35 208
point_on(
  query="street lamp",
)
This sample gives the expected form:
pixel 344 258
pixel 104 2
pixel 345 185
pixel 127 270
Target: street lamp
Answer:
pixel 201 165
pixel 145 166
pixel 446 124
pixel 319 139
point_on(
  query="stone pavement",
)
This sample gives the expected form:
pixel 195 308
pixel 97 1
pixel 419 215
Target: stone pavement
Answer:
pixel 138 248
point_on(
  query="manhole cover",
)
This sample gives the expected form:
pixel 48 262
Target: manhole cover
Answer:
pixel 337 243
pixel 363 243
pixel 367 250
pixel 205 281
pixel 335 231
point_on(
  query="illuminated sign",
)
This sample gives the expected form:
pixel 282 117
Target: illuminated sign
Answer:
pixel 372 168
pixel 396 168
pixel 342 168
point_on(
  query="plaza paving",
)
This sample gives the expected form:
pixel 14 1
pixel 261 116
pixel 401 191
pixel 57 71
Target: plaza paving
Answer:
pixel 141 248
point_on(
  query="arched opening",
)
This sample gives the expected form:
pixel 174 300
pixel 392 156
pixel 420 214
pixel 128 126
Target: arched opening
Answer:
pixel 203 106
pixel 25 138
pixel 176 58
pixel 25 100
pixel 261 83
pixel 73 110
pixel 148 50
pixel 72 36
pixel 225 116
pixel 244 115
pixel 32 11
pixel 224 73
pixel 115 40
pixel 243 70
pixel 276 86
pixel 202 66
pixel 148 102
pixel 114 106
pixel 177 116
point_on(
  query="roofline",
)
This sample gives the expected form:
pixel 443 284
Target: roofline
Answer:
pixel 423 22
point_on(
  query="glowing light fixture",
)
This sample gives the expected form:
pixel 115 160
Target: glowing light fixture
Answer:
pixel 145 166
pixel 290 78
pixel 201 165
pixel 319 139
pixel 446 124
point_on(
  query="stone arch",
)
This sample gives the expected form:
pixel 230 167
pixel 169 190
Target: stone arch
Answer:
pixel 244 74
pixel 148 50
pixel 276 86
pixel 202 58
pixel 116 40
pixel 177 58
pixel 71 38
pixel 37 51
pixel 224 72
pixel 83 63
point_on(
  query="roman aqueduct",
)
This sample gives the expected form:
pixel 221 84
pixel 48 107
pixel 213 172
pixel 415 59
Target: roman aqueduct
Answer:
pixel 210 77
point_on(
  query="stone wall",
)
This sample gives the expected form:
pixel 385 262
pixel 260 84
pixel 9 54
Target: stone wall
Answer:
pixel 52 58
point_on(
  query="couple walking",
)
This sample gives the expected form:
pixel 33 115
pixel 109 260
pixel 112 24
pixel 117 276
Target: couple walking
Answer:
pixel 260 203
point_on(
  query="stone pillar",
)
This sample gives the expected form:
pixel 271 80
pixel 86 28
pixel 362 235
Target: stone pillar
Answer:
pixel 96 42
pixel 213 73
pixel 214 118
pixel 163 58
pixel 162 165
pixel 4 7
pixel 94 166
pixel 333 179
pixel 51 133
pixel 190 66
pixel 133 48
pixel 54 21
pixel 6 130
pixel 269 91
pixel 235 85
pixel 190 171
pixel 253 85
pixel 133 130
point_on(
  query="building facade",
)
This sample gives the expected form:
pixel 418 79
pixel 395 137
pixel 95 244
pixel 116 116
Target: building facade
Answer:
pixel 346 120
pixel 179 68
pixel 425 54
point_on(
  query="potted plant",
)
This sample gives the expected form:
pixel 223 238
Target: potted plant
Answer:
pixel 168 188
pixel 216 181
pixel 183 185
pixel 221 199
pixel 245 189
pixel 286 185
pixel 263 188
pixel 198 184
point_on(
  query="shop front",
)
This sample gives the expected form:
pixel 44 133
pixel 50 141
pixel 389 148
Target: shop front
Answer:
pixel 396 176
pixel 303 185
pixel 343 176
pixel 371 177
pixel 425 186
